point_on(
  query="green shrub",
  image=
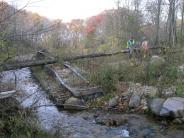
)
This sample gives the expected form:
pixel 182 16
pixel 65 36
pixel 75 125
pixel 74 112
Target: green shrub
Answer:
pixel 108 76
pixel 180 88
pixel 105 77
pixel 131 73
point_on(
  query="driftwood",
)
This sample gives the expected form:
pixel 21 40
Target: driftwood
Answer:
pixel 7 94
pixel 75 71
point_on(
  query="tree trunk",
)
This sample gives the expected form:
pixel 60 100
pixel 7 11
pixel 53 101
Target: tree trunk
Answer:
pixel 172 23
pixel 182 20
pixel 28 64
pixel 158 22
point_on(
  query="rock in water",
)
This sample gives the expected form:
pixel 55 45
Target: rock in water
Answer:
pixel 173 107
pixel 74 101
pixel 134 101
pixel 155 105
pixel 74 104
pixel 112 120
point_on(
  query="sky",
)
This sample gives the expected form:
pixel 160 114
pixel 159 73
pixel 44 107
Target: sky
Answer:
pixel 65 9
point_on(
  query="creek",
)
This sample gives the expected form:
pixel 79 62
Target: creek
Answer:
pixel 75 125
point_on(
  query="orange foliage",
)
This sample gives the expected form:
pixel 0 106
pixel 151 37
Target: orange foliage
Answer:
pixel 93 22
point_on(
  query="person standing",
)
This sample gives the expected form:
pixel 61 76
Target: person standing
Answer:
pixel 130 46
pixel 144 48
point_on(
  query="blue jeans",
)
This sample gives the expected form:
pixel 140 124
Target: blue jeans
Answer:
pixel 130 52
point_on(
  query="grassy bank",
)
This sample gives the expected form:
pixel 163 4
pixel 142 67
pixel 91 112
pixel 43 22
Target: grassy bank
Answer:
pixel 16 122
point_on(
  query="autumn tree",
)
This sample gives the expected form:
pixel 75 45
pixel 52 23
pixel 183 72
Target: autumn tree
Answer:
pixel 76 28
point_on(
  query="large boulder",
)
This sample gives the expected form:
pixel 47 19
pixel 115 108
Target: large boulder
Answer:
pixel 155 105
pixel 173 107
pixel 134 101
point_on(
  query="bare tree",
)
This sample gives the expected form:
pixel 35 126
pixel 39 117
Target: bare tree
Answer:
pixel 182 19
pixel 172 22
pixel 137 4
pixel 158 21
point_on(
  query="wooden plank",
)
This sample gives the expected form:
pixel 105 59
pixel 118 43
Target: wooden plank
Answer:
pixel 7 94
pixel 65 85
pixel 74 107
pixel 75 71
pixel 60 80
pixel 77 92
pixel 89 91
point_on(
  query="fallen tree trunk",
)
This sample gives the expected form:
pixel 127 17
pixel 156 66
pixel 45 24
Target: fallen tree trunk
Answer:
pixel 28 64
pixel 94 55
pixel 106 54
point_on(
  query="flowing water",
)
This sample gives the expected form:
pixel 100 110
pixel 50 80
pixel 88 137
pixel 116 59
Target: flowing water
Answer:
pixel 74 125
pixel 53 120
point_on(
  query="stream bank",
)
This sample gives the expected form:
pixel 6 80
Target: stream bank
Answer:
pixel 136 125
